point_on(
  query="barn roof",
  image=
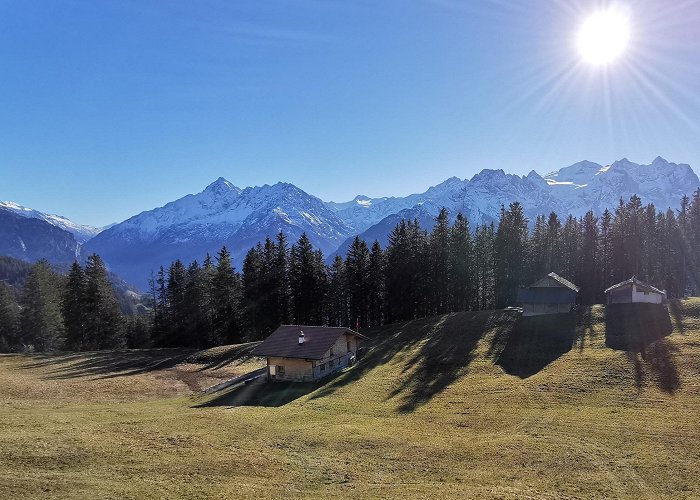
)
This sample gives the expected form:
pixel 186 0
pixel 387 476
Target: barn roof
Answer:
pixel 284 342
pixel 563 282
pixel 640 285
pixel 546 295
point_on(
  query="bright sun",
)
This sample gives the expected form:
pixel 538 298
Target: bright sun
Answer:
pixel 604 36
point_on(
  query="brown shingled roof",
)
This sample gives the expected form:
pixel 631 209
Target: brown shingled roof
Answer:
pixel 284 342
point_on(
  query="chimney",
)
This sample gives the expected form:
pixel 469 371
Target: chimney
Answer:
pixel 301 337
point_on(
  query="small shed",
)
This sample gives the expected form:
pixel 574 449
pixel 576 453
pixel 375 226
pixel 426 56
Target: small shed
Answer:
pixel 633 291
pixel 307 353
pixel 549 295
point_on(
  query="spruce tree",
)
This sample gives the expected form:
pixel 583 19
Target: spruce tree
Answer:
pixel 41 319
pixel 337 294
pixel 376 285
pixel 358 285
pixel 461 265
pixel 9 319
pixel 226 300
pixel 439 262
pixel 104 328
pixel 509 248
pixel 73 308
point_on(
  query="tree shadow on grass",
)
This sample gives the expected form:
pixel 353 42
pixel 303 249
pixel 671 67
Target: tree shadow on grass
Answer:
pixel 536 341
pixel 446 353
pixel 261 393
pixel 632 327
pixel 436 350
pixel 107 364
pixel 641 331
pixel 384 344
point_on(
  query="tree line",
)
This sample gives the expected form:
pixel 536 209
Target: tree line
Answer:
pixel 420 273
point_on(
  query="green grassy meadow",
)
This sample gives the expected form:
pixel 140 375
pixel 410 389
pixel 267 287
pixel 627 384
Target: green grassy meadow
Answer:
pixel 596 404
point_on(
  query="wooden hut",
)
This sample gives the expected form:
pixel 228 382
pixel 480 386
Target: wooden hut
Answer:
pixel 308 353
pixel 549 295
pixel 633 291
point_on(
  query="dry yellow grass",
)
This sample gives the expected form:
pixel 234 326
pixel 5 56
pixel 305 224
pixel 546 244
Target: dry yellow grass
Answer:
pixel 474 405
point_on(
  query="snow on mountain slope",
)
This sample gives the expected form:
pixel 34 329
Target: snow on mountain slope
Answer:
pixel 81 232
pixel 222 214
pixel 32 238
pixel 362 212
pixel 588 186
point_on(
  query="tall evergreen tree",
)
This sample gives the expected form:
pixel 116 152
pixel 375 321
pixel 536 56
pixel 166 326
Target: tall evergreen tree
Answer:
pixel 104 328
pixel 439 262
pixel 461 265
pixel 226 300
pixel 510 245
pixel 9 319
pixel 376 285
pixel 358 284
pixel 73 308
pixel 41 318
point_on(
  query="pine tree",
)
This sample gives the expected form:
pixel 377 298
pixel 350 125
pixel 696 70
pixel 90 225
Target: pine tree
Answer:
pixel 606 249
pixel 73 308
pixel 461 265
pixel 9 319
pixel 398 274
pixel 484 263
pixel 510 247
pixel 254 306
pixel 303 281
pixel 41 318
pixel 439 262
pixel 104 328
pixel 337 294
pixel 358 285
pixel 588 275
pixel 198 311
pixel 376 285
pixel 280 292
pixel 226 300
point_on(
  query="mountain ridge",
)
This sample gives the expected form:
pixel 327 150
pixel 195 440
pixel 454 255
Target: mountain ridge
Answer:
pixel 224 214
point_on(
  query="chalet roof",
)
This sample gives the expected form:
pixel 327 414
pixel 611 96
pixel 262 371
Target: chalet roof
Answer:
pixel 546 295
pixel 640 285
pixel 284 342
pixel 563 282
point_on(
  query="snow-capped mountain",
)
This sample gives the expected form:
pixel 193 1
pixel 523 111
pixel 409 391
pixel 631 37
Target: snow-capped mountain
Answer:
pixel 31 239
pixel 81 232
pixel 222 214
pixel 588 186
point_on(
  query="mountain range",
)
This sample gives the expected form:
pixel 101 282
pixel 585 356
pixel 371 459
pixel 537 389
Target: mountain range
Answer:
pixel 224 214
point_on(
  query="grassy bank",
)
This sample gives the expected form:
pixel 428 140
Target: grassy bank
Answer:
pixel 470 404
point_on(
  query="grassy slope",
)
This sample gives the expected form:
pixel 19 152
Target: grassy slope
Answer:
pixel 469 404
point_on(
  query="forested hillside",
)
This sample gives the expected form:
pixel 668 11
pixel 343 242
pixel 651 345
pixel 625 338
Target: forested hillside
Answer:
pixel 451 268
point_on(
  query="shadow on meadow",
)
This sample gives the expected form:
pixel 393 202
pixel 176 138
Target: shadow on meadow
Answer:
pixel 641 330
pixel 106 364
pixel 536 341
pixel 127 362
pixel 261 393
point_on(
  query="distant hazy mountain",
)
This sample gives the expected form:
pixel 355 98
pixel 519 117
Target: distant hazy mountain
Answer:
pixel 31 239
pixel 224 214
pixel 81 232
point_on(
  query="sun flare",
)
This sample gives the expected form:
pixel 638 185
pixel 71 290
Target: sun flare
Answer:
pixel 604 36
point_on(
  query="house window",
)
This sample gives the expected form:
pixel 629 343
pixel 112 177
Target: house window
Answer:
pixel 323 367
pixel 331 363
pixel 280 370
pixel 331 352
pixel 646 293
pixel 349 346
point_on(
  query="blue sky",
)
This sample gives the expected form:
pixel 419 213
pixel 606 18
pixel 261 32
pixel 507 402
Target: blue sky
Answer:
pixel 112 108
